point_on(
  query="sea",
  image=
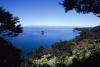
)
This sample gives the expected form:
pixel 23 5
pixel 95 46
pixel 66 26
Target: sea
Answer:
pixel 32 37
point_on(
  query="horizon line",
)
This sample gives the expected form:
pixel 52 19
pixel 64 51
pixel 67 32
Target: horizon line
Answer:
pixel 55 26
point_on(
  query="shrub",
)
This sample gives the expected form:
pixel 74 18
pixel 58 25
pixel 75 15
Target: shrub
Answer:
pixel 9 55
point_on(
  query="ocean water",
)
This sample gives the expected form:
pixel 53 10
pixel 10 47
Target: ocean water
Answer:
pixel 32 37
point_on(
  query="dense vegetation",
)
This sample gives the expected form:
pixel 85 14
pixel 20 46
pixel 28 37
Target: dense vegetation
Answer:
pixel 9 24
pixel 9 27
pixel 9 55
pixel 82 6
pixel 82 51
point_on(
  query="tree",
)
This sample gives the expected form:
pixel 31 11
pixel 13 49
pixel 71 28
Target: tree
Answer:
pixel 82 6
pixel 9 24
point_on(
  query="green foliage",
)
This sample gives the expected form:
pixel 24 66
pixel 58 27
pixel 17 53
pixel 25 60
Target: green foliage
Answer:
pixel 62 48
pixel 79 53
pixel 92 34
pixel 83 6
pixel 41 61
pixel 37 53
pixel 9 24
pixel 69 53
pixel 53 61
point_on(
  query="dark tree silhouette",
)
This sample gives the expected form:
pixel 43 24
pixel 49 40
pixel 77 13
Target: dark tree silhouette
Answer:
pixel 9 25
pixel 9 55
pixel 82 6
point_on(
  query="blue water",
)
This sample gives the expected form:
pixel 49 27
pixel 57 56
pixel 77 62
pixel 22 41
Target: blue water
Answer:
pixel 32 37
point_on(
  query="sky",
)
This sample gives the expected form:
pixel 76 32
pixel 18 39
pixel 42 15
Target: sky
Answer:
pixel 47 13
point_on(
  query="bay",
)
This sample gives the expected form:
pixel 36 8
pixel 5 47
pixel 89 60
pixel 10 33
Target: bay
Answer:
pixel 32 37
